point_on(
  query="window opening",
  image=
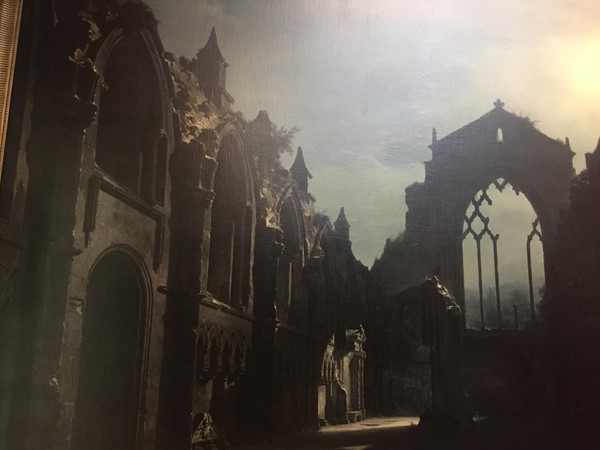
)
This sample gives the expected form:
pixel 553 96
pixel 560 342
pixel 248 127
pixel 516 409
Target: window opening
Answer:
pixel 503 260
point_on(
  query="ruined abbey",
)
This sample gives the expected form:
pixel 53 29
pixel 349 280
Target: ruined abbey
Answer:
pixel 165 283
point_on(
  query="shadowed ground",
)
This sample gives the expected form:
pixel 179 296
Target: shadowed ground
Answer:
pixel 400 433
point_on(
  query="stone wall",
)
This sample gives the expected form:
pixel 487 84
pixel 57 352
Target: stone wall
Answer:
pixel 463 162
pixel 571 309
pixel 146 236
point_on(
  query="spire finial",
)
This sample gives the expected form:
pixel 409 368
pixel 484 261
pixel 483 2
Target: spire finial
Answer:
pixel 211 48
pixel 299 171
pixel 499 104
pixel 212 39
pixel 342 220
pixel 262 124
pixel 342 226
pixel 433 136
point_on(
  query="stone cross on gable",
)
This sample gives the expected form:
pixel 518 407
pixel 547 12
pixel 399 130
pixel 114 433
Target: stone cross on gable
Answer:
pixel 499 104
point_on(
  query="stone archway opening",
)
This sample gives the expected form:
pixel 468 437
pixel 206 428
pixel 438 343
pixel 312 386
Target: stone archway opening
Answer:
pixel 503 261
pixel 108 401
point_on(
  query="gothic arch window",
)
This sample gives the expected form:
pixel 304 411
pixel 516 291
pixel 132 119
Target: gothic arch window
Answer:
pixel 502 259
pixel 290 264
pixel 231 227
pixel 131 145
pixel 499 136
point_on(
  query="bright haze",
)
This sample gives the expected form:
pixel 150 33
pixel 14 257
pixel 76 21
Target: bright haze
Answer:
pixel 366 80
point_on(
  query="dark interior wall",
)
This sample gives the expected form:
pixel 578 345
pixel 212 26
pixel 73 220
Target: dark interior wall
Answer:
pixel 33 26
pixel 502 373
pixel 13 190
pixel 572 309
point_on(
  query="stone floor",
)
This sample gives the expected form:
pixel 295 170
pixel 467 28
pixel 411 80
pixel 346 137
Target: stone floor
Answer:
pixel 369 434
pixel 401 433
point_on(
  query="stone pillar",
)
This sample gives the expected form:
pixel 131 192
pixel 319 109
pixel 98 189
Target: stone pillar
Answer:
pixel 189 205
pixel 442 332
pixel 49 222
pixel 53 151
pixel 62 109
pixel 361 387
pixel 268 249
pixel 312 275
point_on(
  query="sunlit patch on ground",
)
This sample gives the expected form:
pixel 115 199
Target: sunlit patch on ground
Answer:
pixel 377 422
pixel 393 433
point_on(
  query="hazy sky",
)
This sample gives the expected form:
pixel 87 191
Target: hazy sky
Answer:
pixel 366 80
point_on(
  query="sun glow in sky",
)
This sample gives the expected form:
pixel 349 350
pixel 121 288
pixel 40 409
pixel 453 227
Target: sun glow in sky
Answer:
pixel 585 68
pixel 366 80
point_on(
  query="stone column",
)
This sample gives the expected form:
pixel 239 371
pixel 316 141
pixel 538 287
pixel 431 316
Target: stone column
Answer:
pixel 49 222
pixel 268 249
pixel 53 151
pixel 189 205
pixel 362 387
pixel 313 282
pixel 441 329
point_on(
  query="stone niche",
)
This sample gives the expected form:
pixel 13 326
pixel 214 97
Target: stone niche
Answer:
pixel 341 389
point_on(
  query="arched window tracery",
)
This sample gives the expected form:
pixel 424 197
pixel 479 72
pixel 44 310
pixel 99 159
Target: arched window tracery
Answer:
pixel 502 258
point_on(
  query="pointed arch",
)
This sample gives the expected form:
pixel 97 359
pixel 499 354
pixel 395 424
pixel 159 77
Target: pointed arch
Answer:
pixel 517 182
pixel 212 355
pixel 110 397
pixel 324 231
pixel 504 300
pixel 232 222
pixel 132 134
pixel 289 287
pixel 462 163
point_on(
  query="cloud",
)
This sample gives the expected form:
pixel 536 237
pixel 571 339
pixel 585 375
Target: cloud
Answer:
pixel 239 8
pixel 366 80
pixel 373 197
pixel 400 153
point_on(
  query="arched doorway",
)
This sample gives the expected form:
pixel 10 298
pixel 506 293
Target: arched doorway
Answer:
pixel 108 401
pixel 503 261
